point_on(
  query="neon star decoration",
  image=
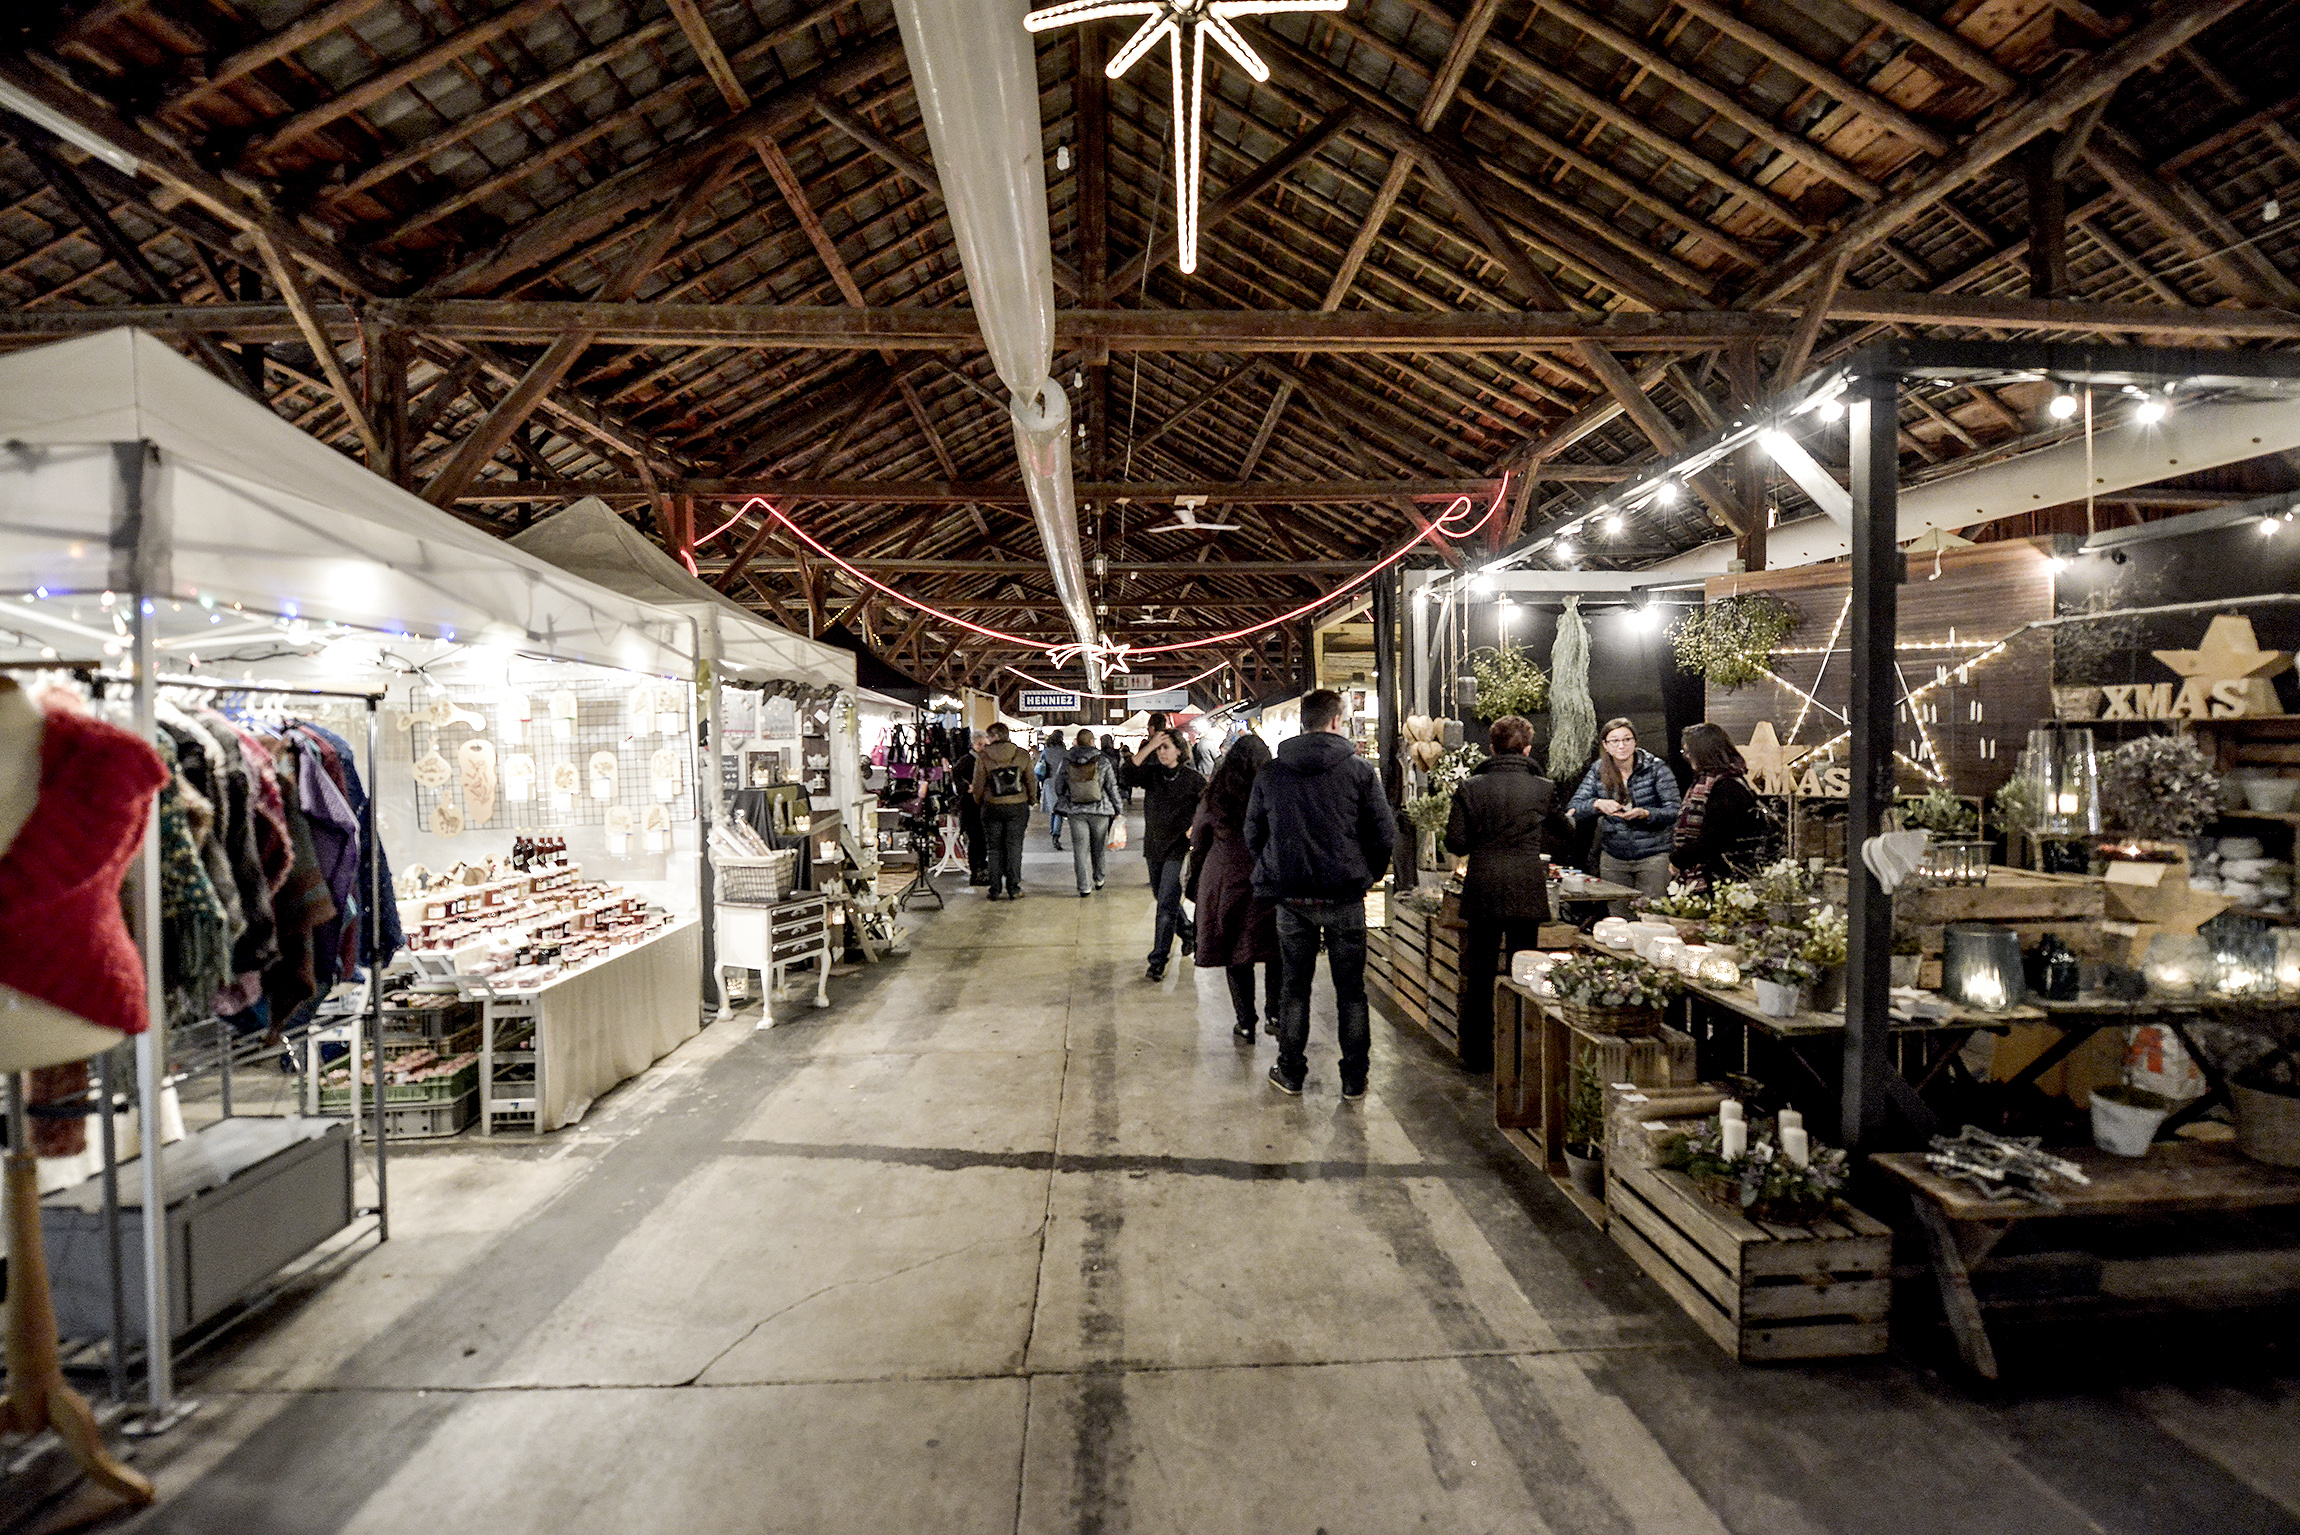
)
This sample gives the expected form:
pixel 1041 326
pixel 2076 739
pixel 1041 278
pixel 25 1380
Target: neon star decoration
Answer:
pixel 1165 21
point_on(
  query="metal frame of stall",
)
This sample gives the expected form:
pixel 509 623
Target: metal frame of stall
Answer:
pixel 1869 383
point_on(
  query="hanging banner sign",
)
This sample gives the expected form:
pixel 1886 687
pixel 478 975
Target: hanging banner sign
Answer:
pixel 1164 698
pixel 1035 701
pixel 1142 685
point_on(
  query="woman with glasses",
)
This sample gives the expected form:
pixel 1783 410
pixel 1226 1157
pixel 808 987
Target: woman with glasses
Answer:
pixel 1633 796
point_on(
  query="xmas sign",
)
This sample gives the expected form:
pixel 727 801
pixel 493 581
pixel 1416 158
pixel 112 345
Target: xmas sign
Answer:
pixel 2227 676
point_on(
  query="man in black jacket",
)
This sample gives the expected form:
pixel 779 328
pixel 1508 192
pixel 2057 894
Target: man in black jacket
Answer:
pixel 1320 830
pixel 1504 817
pixel 1170 790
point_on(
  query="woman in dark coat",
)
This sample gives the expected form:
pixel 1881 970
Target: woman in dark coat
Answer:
pixel 1236 929
pixel 1721 831
pixel 1505 816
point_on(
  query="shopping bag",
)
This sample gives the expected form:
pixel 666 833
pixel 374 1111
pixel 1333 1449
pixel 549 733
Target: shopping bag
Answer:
pixel 1118 832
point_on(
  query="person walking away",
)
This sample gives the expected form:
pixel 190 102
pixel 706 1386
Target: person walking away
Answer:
pixel 1117 760
pixel 1632 796
pixel 1720 832
pixel 1320 830
pixel 1504 817
pixel 1237 929
pixel 1170 790
pixel 1051 754
pixel 1002 788
pixel 1087 797
pixel 970 811
pixel 1202 754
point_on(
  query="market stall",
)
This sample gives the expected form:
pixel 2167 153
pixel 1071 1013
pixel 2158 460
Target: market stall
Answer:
pixel 156 523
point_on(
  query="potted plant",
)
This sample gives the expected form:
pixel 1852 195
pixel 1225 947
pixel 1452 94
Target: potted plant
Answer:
pixel 2266 1096
pixel 1824 950
pixel 1585 1126
pixel 1683 907
pixel 1777 966
pixel 1611 994
pixel 2159 789
pixel 2125 1119
pixel 1430 809
pixel 1783 889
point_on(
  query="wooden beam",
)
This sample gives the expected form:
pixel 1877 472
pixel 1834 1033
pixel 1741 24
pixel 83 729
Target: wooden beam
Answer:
pixel 235 67
pixel 384 366
pixel 1725 104
pixel 1808 331
pixel 2192 223
pixel 1950 47
pixel 1219 211
pixel 713 58
pixel 482 443
pixel 298 299
pixel 901 159
pixel 1818 75
pixel 1459 55
pixel 2068 94
pixel 594 210
pixel 125 253
pixel 264 147
pixel 1007 492
pixel 2047 218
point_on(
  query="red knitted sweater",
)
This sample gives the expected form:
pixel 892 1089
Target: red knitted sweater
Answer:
pixel 62 936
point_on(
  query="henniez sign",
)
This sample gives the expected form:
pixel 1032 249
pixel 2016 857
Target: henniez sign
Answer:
pixel 1048 701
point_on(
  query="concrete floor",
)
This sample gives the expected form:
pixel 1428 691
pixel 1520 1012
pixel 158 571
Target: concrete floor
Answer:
pixel 1012 1240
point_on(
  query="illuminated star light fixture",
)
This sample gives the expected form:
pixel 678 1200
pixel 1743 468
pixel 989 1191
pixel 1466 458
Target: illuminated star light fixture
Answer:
pixel 1165 20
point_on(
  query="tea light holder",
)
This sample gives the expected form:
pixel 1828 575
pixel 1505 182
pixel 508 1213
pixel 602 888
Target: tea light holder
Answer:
pixel 2288 963
pixel 2177 965
pixel 1689 959
pixel 1719 970
pixel 2067 779
pixel 1981 966
pixel 1613 932
pixel 2244 965
pixel 1663 953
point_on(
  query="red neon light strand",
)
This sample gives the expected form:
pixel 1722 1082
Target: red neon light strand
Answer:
pixel 1445 525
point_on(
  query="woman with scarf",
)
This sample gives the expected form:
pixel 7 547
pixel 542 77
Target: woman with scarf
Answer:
pixel 1236 929
pixel 1720 827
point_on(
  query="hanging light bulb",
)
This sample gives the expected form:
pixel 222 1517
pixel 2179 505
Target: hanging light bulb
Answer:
pixel 1565 552
pixel 1832 409
pixel 1481 583
pixel 2151 410
pixel 1614 525
pixel 1668 493
pixel 2062 407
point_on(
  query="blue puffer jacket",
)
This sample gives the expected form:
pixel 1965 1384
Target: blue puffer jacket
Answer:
pixel 1652 788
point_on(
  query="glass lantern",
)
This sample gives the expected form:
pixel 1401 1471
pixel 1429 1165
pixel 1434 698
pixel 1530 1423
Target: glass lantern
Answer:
pixel 2066 773
pixel 2177 965
pixel 2288 964
pixel 2244 964
pixel 1981 966
pixel 1719 969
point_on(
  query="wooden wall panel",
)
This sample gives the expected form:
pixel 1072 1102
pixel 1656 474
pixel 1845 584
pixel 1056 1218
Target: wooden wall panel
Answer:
pixel 1952 608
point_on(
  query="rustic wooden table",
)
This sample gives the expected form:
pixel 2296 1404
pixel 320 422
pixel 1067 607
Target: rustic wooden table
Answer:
pixel 1962 1226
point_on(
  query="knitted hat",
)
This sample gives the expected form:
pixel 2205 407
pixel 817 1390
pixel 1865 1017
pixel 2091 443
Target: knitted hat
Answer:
pixel 62 936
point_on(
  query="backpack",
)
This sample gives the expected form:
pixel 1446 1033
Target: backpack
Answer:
pixel 1086 782
pixel 1005 782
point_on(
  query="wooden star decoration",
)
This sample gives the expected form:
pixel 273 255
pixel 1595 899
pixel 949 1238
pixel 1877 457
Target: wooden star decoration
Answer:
pixel 2231 653
pixel 1771 764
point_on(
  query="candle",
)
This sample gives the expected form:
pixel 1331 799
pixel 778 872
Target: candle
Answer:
pixel 1792 1120
pixel 1731 1109
pixel 1795 1146
pixel 1734 1135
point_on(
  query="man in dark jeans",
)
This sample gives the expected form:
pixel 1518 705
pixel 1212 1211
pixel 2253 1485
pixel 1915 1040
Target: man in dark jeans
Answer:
pixel 1003 787
pixel 1320 831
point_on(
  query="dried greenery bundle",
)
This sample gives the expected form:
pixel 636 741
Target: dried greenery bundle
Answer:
pixel 1730 642
pixel 1573 713
pixel 1508 682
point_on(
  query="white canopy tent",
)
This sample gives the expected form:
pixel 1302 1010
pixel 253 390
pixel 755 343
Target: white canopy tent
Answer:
pixel 129 469
pixel 589 540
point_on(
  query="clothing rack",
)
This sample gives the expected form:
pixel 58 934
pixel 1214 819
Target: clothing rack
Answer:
pixel 162 1410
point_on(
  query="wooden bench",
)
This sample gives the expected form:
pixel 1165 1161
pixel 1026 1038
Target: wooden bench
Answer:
pixel 1962 1227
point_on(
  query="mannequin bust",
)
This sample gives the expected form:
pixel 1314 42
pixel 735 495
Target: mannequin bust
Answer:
pixel 33 1033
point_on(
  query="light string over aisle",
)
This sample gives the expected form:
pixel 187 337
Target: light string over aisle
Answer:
pixel 1053 687
pixel 1447 525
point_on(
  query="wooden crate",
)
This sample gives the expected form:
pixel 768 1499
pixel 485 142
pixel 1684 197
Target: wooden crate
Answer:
pixel 1533 1069
pixel 1761 1291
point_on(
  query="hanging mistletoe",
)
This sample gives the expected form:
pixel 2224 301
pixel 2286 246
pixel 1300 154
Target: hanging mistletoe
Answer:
pixel 1730 642
pixel 1508 682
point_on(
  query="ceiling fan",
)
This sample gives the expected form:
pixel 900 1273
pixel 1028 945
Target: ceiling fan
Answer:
pixel 1186 519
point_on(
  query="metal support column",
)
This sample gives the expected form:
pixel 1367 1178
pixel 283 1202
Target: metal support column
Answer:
pixel 1878 567
pixel 1389 662
pixel 371 834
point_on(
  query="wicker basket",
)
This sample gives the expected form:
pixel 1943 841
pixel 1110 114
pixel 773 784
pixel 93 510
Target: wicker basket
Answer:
pixel 756 881
pixel 1624 1022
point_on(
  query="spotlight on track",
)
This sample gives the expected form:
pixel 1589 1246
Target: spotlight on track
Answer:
pixel 2151 410
pixel 2062 407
